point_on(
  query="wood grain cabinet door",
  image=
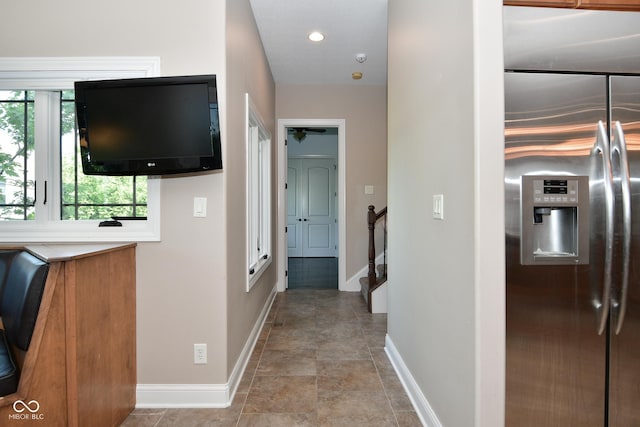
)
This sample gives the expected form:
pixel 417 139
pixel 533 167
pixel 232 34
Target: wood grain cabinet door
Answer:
pixel 630 5
pixel 544 3
pixel 610 4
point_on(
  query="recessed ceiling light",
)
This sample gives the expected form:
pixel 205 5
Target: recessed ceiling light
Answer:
pixel 316 36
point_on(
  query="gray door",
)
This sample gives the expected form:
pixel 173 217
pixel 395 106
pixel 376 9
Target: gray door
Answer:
pixel 624 407
pixel 311 202
pixel 556 359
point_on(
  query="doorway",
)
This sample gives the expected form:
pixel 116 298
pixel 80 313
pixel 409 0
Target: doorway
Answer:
pixel 311 208
pixel 310 156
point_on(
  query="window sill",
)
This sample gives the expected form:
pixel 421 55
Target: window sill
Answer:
pixel 258 270
pixel 77 232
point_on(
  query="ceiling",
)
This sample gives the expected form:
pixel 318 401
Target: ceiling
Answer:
pixel 350 27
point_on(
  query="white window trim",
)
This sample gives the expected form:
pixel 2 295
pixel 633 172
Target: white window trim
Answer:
pixel 256 132
pixel 60 73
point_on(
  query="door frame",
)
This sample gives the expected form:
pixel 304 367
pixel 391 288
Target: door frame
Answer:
pixel 281 251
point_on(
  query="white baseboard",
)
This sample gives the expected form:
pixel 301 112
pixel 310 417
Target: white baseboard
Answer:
pixel 421 405
pixel 353 283
pixel 245 355
pixel 204 395
pixel 183 396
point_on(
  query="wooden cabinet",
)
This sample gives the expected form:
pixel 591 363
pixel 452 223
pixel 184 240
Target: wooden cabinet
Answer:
pixel 545 3
pixel 631 5
pixel 81 365
pixel 610 4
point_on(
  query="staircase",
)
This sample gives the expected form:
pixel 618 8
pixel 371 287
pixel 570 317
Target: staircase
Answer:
pixel 375 295
pixel 374 287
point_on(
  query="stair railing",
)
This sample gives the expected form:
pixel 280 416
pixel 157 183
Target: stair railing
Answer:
pixel 372 219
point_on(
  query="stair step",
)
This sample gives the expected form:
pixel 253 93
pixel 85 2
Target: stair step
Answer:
pixel 367 290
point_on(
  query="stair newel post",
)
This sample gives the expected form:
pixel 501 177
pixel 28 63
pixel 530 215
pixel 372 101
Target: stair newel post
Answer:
pixel 371 220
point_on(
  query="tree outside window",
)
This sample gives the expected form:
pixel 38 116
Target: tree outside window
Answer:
pixel 82 197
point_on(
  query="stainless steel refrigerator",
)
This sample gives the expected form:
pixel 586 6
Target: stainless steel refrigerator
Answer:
pixel 572 198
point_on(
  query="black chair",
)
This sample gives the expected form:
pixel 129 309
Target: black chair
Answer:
pixel 19 305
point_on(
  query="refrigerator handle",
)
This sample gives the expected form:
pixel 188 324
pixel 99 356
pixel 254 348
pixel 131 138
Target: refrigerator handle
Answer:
pixel 602 304
pixel 619 301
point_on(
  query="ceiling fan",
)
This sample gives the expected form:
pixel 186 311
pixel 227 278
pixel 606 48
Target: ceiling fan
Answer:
pixel 301 133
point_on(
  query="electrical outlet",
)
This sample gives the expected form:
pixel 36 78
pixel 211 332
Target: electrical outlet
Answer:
pixel 199 354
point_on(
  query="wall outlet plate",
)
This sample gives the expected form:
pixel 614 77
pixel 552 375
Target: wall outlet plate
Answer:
pixel 199 354
pixel 199 207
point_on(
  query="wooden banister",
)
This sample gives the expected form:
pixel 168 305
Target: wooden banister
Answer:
pixel 372 278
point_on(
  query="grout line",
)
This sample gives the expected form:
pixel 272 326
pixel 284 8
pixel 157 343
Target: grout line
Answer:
pixel 375 364
pixel 276 308
pixel 361 323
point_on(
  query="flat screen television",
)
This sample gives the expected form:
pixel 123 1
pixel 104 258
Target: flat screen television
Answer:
pixel 148 126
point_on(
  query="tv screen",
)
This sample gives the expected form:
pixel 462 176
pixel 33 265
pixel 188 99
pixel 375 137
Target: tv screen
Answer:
pixel 148 126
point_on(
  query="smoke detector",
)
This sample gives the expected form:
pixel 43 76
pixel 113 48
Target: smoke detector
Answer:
pixel 361 57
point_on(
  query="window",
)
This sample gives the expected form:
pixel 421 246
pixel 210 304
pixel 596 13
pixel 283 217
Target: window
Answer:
pixel 43 194
pixel 93 197
pixel 82 197
pixel 258 141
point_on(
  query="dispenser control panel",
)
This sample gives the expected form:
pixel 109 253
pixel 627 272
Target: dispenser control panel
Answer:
pixel 555 191
pixel 554 220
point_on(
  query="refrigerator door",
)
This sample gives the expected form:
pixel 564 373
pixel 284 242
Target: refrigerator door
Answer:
pixel 624 364
pixel 556 360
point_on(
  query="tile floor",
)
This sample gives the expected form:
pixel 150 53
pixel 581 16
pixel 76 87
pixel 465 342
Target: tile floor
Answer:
pixel 319 361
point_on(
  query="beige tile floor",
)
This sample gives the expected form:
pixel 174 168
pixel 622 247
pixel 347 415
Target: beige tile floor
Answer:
pixel 319 361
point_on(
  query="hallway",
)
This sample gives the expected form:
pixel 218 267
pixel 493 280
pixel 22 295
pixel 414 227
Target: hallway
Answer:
pixel 319 361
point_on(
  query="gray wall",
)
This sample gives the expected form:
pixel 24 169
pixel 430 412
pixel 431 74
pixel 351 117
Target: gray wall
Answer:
pixel 247 72
pixel 446 284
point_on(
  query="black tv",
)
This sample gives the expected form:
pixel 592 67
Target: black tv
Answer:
pixel 148 126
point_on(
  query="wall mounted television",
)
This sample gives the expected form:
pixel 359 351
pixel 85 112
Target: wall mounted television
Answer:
pixel 148 126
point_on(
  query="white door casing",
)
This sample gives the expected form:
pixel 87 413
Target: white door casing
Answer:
pixel 282 243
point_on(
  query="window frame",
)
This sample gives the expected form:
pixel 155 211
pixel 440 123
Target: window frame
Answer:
pixel 56 74
pixel 258 194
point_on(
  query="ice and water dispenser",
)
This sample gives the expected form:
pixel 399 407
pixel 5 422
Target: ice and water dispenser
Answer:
pixel 555 220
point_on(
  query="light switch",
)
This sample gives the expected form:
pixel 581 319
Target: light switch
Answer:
pixel 200 207
pixel 369 189
pixel 438 206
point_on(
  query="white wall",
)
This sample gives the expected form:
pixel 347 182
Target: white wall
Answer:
pixel 446 284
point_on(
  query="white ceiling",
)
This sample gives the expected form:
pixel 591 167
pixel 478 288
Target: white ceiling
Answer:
pixel 350 27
